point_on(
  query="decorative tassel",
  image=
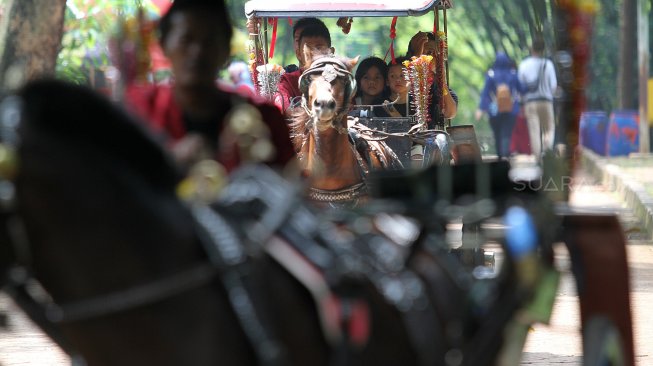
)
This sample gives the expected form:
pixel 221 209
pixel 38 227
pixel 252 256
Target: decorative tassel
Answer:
pixel 129 48
pixel 254 51
pixel 268 79
pixel 418 74
pixel 393 35
pixel 440 67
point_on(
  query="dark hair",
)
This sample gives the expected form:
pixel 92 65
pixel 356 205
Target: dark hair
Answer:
pixel 216 8
pixel 367 64
pixel 411 52
pixel 307 22
pixel 316 31
pixel 399 61
pixel 538 45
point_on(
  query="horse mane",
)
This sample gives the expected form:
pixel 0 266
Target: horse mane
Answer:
pixel 82 116
pixel 299 126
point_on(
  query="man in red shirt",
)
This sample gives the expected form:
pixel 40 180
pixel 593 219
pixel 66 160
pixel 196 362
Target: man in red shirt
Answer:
pixel 194 114
pixel 309 32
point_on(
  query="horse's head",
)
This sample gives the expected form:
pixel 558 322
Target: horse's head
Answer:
pixel 327 86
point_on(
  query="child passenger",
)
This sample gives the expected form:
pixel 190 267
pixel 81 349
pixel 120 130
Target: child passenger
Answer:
pixel 398 86
pixel 371 81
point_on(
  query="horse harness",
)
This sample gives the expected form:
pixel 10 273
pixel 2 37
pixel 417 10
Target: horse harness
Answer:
pixel 291 235
pixel 363 145
pixel 330 68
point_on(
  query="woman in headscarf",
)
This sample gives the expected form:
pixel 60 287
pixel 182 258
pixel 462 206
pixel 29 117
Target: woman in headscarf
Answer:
pixel 500 101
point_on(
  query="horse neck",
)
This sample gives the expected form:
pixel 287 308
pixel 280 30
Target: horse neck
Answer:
pixel 331 161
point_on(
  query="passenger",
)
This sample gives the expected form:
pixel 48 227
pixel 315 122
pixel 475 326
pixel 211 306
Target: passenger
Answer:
pixel 195 36
pixel 396 82
pixel 538 77
pixel 297 30
pixel 315 37
pixel 372 89
pixel 253 24
pixel 425 43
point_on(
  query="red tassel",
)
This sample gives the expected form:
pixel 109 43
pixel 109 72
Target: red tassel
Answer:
pixel 274 36
pixel 435 21
pixel 393 35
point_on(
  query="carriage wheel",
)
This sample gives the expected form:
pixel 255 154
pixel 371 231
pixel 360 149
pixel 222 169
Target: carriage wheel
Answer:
pixel 602 344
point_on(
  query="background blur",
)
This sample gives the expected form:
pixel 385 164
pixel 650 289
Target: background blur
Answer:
pixel 476 31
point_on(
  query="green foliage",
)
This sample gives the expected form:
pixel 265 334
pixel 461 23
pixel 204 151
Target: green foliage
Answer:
pixel 476 31
pixel 601 93
pixel 87 28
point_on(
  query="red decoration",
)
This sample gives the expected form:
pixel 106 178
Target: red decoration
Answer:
pixel 393 35
pixel 162 5
pixel 273 42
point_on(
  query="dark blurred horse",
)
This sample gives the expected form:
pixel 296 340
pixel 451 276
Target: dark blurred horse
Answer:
pixel 133 276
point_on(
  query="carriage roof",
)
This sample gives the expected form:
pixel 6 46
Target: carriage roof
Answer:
pixel 342 8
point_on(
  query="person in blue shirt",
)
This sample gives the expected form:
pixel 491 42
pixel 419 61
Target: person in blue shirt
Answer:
pixel 500 101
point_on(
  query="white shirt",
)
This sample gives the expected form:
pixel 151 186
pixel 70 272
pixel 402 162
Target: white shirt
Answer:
pixel 530 69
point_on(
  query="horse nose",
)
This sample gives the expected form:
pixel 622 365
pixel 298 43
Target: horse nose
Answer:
pixel 326 104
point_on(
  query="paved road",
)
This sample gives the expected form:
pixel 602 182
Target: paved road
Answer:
pixel 24 344
pixel 556 344
pixel 560 343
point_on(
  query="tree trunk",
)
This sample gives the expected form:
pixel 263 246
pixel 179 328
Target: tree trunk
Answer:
pixel 30 38
pixel 627 55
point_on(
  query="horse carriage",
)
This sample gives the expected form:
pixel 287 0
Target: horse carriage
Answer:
pixel 100 251
pixel 429 145
pixel 607 327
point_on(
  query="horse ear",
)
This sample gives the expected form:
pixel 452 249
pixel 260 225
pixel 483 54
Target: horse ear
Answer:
pixel 351 63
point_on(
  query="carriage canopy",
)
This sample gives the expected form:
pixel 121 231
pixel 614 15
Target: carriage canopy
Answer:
pixel 342 8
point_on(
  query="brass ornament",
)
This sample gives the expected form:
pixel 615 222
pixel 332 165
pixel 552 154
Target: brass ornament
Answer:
pixel 246 129
pixel 204 182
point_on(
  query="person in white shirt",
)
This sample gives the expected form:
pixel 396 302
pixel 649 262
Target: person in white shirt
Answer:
pixel 537 75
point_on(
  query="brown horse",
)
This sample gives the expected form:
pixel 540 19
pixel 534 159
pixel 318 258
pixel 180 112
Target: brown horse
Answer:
pixel 336 158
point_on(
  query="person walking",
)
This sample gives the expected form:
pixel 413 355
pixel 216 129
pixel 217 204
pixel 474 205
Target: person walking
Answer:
pixel 500 101
pixel 538 76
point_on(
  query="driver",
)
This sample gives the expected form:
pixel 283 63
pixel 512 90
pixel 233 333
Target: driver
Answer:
pixel 314 37
pixel 191 113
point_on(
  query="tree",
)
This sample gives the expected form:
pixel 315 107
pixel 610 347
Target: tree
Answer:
pixel 88 26
pixel 627 80
pixel 600 93
pixel 30 36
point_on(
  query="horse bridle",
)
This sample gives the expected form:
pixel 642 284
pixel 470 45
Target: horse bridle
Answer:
pixel 330 68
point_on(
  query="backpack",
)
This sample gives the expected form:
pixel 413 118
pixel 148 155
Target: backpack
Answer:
pixel 533 86
pixel 504 98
